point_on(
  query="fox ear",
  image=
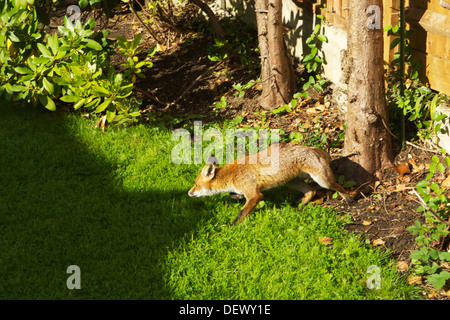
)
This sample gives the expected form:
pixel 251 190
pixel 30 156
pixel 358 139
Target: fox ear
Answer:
pixel 209 171
pixel 212 160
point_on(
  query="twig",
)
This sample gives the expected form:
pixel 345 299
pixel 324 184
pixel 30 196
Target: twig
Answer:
pixel 421 148
pixel 152 33
pixel 433 213
pixel 150 96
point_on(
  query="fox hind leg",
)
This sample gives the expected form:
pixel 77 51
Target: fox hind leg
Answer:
pixel 328 182
pixel 299 185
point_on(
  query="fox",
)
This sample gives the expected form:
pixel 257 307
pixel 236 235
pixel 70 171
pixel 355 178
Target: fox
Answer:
pixel 248 176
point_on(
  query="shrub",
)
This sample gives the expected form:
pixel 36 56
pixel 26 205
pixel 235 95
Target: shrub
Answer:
pixel 72 65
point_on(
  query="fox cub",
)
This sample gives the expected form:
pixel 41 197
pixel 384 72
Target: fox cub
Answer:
pixel 250 175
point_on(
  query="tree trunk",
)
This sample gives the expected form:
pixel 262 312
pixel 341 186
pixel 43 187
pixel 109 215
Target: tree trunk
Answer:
pixel 367 116
pixel 212 18
pixel 277 75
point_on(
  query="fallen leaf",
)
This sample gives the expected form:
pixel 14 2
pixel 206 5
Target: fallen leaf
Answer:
pixel 446 183
pixel 367 223
pixel 319 201
pixel 376 184
pixel 325 240
pixel 316 109
pixel 414 280
pixel 402 266
pixel 415 167
pixel 162 48
pixel 402 169
pixel 396 206
pixel 377 242
pixel 400 188
pixel 432 294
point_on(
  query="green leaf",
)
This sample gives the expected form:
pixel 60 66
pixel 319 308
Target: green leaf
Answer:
pixel 100 91
pixel 435 187
pixel 110 114
pixel 432 167
pixel 50 87
pixel 433 106
pixel 387 28
pixel 322 38
pixel 103 106
pixel 79 104
pixel 394 43
pixel 42 60
pixel 441 167
pixel 310 38
pixel 318 87
pixel 305 87
pixel 44 50
pixel 83 3
pixel 69 99
pixel 423 184
pixel 23 70
pixel 438 280
pixel 47 102
pixel 93 44
pixel 349 184
pixel 17 88
pixel 308 57
pixel 316 28
pixel 444 256
pixel 318 59
pixel 417 255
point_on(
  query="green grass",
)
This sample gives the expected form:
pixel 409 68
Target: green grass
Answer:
pixel 116 206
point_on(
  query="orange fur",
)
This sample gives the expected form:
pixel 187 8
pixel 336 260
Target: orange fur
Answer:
pixel 251 175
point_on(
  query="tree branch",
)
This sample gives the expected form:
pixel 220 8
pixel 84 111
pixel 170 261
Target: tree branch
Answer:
pixel 433 213
pixel 212 18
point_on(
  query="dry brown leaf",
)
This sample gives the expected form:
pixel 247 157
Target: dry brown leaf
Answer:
pixel 377 242
pixel 402 266
pixel 162 48
pixel 367 223
pixel 432 294
pixel 325 240
pixel 402 169
pixel 316 109
pixel 400 188
pixel 415 167
pixel 376 184
pixel 414 280
pixel 446 183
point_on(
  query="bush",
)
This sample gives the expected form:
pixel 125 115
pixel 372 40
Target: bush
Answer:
pixel 72 65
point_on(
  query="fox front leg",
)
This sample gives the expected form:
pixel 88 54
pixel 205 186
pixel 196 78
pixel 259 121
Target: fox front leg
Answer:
pixel 248 207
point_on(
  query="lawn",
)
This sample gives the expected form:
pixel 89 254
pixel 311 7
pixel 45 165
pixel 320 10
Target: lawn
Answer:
pixel 115 205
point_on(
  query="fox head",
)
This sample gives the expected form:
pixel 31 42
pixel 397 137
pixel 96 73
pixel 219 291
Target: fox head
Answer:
pixel 202 186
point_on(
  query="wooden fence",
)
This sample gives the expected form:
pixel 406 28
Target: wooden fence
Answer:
pixel 430 21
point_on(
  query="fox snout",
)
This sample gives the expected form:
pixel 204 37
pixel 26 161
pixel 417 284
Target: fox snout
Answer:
pixel 191 193
pixel 197 192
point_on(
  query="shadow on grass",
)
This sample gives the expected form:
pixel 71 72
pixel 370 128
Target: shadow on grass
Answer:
pixel 62 204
